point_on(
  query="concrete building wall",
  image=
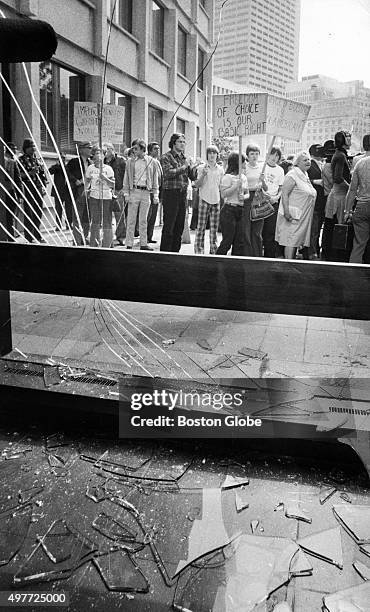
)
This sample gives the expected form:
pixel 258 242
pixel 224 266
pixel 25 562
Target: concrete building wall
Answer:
pixel 134 70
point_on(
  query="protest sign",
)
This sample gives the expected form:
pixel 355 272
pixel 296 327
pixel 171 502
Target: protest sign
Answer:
pixel 258 113
pixel 85 122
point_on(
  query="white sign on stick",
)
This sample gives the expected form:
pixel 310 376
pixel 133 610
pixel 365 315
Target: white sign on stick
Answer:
pixel 258 113
pixel 286 118
pixel 85 122
pixel 239 115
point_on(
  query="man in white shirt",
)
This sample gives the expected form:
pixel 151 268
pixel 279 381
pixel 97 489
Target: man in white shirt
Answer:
pixel 141 179
pixel 274 178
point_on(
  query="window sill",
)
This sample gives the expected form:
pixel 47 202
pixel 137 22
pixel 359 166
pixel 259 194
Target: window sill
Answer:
pixel 89 4
pixel 184 78
pixel 159 59
pixel 125 32
pixel 204 10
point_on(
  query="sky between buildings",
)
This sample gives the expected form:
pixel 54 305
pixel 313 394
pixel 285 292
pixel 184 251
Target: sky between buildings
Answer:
pixel 334 39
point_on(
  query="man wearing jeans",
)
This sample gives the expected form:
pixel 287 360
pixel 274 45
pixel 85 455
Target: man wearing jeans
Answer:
pixel 141 179
pixel 360 189
pixel 176 168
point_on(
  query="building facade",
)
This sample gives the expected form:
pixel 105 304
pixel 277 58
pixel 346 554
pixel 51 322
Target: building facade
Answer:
pixel 334 106
pixel 259 43
pixel 156 50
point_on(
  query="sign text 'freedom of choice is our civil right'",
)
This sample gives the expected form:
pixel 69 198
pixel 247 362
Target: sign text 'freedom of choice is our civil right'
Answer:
pixel 258 113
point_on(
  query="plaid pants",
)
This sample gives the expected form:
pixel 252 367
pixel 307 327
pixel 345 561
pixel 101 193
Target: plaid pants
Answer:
pixel 205 209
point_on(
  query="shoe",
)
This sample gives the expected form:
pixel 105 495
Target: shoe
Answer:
pixel 146 248
pixel 57 229
pixel 152 241
pixel 42 241
pixel 120 241
pixel 130 248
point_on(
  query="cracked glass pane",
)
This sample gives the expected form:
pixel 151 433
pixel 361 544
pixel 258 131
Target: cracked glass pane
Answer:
pixel 13 532
pixel 121 573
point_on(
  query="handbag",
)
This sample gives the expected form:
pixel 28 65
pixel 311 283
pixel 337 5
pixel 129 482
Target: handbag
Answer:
pixel 343 236
pixel 261 207
pixel 115 207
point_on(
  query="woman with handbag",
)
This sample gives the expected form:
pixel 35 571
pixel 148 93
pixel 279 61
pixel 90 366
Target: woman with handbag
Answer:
pixel 294 220
pixel 253 244
pixel 234 190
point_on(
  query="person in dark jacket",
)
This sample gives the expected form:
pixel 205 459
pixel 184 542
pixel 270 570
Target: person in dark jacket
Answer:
pixel 59 193
pixel 315 176
pixel 118 163
pixel 76 170
pixel 34 182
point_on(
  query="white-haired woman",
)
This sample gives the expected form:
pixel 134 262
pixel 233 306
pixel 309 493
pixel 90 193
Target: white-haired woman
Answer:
pixel 294 220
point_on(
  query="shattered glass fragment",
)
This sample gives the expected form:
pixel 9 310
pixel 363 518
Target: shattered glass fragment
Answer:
pixel 121 573
pixel 51 376
pixel 325 545
pixel 254 353
pixel 346 497
pixel 113 529
pixel 293 510
pixel 254 568
pixel 254 525
pixel 208 533
pixel 356 521
pixel 231 482
pixel 54 462
pixel 95 492
pixel 362 569
pixel 57 555
pixel 13 531
pixel 300 565
pixel 27 494
pixel 241 499
pixel 352 599
pixel 365 549
pixel 326 493
pixel 168 342
pixel 204 344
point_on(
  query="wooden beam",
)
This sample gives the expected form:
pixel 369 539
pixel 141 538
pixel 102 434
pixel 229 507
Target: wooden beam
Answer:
pixel 232 283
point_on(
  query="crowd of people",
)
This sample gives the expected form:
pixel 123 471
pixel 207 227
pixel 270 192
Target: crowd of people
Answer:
pixel 108 199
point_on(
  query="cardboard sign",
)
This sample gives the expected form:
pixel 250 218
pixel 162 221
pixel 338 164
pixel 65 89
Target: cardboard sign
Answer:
pixel 286 118
pixel 85 122
pixel 258 113
pixel 239 115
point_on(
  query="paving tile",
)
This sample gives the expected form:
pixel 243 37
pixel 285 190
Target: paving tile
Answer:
pixel 236 336
pixel 284 344
pixel 288 321
pixel 326 347
pixel 325 324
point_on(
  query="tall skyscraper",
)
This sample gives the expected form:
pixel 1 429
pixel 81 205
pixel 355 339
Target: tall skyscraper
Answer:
pixel 259 43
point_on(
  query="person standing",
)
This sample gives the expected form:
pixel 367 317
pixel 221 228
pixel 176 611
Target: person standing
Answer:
pixel 360 189
pixel 209 177
pixel 59 193
pixel 76 170
pixel 153 151
pixel 274 178
pixel 293 226
pixel 34 182
pixel 176 173
pixel 253 229
pixel 118 164
pixel 315 175
pixel 13 200
pixel 141 179
pixel 234 190
pixel 100 185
